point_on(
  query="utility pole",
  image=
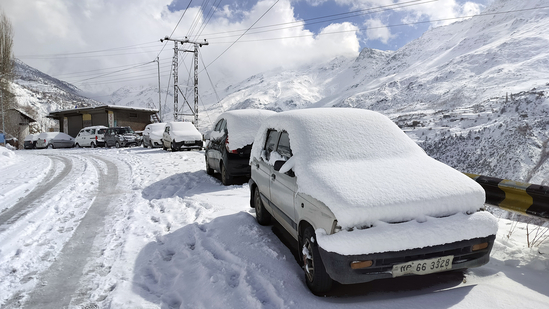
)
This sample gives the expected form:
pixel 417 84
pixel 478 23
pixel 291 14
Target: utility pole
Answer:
pixel 175 64
pixel 159 96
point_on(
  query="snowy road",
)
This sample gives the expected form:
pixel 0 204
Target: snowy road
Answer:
pixel 145 228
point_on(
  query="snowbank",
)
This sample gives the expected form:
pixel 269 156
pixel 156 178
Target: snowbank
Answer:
pixel 7 157
pixel 365 169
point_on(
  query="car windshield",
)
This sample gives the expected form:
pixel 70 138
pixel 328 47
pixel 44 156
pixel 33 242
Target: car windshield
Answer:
pixel 124 131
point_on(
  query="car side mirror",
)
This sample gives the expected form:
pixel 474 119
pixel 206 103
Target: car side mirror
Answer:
pixel 278 165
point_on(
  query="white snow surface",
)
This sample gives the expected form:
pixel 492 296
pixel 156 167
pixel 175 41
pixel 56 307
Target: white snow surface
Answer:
pixel 175 237
pixel 366 169
pixel 242 125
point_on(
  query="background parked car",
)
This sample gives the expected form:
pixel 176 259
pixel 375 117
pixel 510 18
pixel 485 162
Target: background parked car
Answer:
pixel 30 141
pixel 229 143
pixel 152 135
pixel 54 140
pixel 91 137
pixel 121 137
pixel 363 201
pixel 181 136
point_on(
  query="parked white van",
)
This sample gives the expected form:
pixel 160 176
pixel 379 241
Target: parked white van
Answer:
pixel 91 137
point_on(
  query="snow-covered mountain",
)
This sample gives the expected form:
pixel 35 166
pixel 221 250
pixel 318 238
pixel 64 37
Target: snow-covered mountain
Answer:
pixel 39 93
pixel 472 93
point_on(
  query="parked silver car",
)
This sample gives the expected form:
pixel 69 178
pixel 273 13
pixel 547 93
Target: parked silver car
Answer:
pixel 362 200
pixel 54 140
pixel 152 135
pixel 121 137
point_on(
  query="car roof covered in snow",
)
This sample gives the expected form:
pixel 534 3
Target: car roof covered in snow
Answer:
pixel 242 125
pixel 365 169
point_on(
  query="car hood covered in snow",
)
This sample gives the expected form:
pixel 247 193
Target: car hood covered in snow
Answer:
pixel 366 170
pixel 184 131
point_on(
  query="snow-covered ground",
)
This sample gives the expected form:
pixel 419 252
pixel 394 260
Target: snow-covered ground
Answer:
pixel 145 228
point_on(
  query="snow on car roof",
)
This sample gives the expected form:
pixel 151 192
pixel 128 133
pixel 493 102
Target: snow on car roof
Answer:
pixel 183 126
pixel 365 169
pixel 56 135
pixel 242 125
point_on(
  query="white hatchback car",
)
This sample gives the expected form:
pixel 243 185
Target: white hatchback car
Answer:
pixel 181 136
pixel 91 137
pixel 362 200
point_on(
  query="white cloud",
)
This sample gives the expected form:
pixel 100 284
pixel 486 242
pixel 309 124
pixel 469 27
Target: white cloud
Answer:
pixel 377 30
pixel 65 26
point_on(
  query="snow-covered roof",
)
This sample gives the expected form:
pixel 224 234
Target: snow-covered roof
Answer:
pixel 242 125
pixel 115 107
pixel 365 169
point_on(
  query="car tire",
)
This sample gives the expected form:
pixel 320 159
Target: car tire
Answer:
pixel 262 216
pixel 117 145
pixel 225 177
pixel 172 147
pixel 77 145
pixel 209 170
pixel 50 146
pixel 316 277
pixel 92 145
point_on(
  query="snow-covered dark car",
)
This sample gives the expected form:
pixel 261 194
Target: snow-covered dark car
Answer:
pixel 54 140
pixel 181 136
pixel 30 141
pixel 121 137
pixel 229 143
pixel 362 200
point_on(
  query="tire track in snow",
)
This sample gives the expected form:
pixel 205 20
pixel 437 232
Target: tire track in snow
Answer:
pixel 60 281
pixel 23 206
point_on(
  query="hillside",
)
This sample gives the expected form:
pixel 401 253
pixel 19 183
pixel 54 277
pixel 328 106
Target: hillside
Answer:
pixel 473 94
pixel 40 93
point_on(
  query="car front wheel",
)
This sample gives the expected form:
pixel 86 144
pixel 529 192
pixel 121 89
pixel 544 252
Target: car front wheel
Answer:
pixel 318 280
pixel 262 216
pixel 117 145
pixel 225 176
pixel 209 170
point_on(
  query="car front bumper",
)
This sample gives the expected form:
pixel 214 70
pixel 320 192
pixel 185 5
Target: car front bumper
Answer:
pixel 339 266
pixel 188 145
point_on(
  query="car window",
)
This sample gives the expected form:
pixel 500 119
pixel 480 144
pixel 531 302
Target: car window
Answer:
pixel 218 125
pixel 101 131
pixel 270 144
pixel 223 125
pixel 92 131
pixel 283 147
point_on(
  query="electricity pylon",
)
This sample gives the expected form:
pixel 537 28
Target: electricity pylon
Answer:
pixel 175 64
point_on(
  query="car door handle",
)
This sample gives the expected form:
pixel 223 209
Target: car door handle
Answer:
pixel 273 177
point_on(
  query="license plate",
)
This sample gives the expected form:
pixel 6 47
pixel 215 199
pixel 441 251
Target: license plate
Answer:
pixel 423 267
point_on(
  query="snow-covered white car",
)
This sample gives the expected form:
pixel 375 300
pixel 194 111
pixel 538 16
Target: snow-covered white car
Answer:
pixel 54 140
pixel 181 136
pixel 362 200
pixel 152 134
pixel 228 145
pixel 91 137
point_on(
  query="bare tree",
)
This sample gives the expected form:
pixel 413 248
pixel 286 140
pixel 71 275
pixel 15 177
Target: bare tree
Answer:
pixel 6 63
